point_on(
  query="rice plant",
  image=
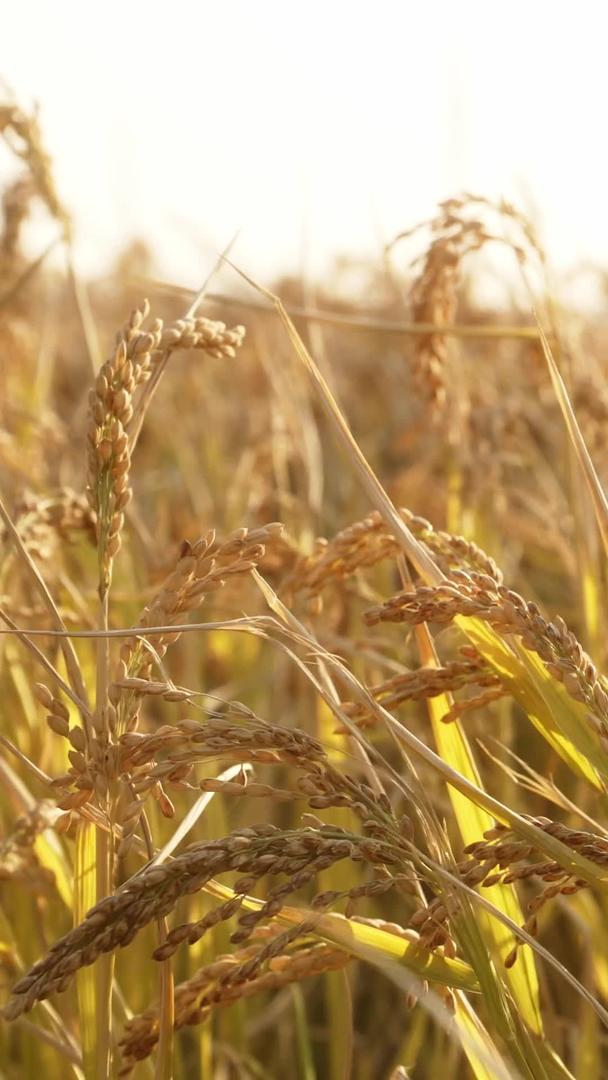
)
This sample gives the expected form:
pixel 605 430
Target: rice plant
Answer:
pixel 304 742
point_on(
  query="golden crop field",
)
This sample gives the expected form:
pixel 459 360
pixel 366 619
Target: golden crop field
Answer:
pixel 303 726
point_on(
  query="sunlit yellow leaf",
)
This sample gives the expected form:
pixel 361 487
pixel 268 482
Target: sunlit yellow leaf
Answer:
pixel 558 718
pixel 483 1056
pixel 453 746
pixel 50 852
pixel 94 982
pixel 85 895
pixel 367 942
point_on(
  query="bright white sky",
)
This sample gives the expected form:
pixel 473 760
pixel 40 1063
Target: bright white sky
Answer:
pixel 339 121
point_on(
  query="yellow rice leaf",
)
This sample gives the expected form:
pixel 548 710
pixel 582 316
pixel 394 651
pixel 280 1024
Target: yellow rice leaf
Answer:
pixel 589 1050
pixel 367 942
pixel 339 1013
pixel 50 852
pixel 453 746
pixel 483 1057
pixel 558 718
pixel 93 982
pixel 85 896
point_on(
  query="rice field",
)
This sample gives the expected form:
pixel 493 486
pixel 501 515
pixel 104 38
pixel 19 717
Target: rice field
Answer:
pixel 304 726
